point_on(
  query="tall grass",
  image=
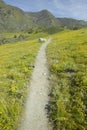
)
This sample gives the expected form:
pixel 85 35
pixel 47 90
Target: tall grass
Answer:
pixel 16 65
pixel 67 59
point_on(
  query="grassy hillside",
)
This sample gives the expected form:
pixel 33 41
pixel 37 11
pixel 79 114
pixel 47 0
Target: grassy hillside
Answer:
pixel 16 65
pixel 72 23
pixel 13 19
pixel 44 18
pixel 67 59
pixel 6 38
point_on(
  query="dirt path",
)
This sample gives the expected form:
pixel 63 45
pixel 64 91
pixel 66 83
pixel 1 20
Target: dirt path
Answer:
pixel 35 117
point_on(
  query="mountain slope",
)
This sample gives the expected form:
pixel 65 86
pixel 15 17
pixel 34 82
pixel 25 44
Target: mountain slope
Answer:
pixel 72 23
pixel 15 19
pixel 43 18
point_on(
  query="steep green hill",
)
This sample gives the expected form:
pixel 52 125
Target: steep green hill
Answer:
pixel 12 18
pixel 15 19
pixel 44 18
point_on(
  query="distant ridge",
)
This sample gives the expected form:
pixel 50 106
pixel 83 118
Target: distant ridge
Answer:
pixel 43 18
pixel 15 19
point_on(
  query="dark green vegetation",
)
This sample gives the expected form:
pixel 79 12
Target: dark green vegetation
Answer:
pixel 14 19
pixel 67 59
pixel 4 38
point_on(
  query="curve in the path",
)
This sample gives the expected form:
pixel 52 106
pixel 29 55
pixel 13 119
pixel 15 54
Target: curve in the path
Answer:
pixel 35 117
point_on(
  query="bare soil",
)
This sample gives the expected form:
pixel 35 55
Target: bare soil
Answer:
pixel 35 115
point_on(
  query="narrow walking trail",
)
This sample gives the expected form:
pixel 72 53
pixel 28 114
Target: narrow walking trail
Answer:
pixel 35 117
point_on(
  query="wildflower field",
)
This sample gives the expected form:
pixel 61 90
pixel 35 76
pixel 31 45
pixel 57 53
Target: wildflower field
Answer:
pixel 67 60
pixel 16 65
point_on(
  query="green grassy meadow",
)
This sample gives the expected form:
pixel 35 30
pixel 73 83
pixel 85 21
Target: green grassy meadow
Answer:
pixel 67 60
pixel 16 65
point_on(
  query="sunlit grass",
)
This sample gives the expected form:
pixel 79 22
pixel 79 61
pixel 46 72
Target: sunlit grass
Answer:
pixel 16 65
pixel 67 59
